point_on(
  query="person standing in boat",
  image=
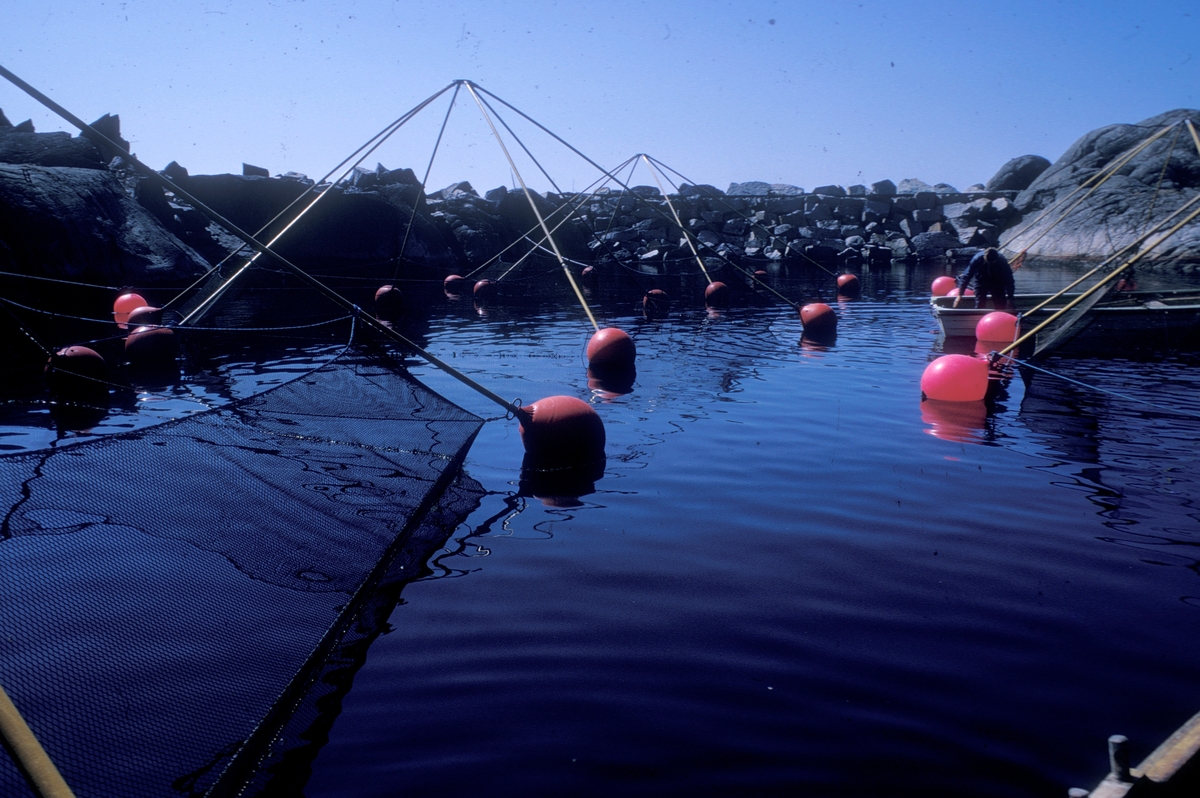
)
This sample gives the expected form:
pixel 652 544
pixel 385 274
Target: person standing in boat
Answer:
pixel 993 277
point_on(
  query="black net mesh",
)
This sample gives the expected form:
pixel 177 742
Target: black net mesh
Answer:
pixel 178 601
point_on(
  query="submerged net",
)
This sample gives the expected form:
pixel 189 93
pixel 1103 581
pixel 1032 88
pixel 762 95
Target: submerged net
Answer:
pixel 179 601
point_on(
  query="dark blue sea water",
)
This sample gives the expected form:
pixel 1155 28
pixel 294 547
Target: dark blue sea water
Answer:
pixel 794 578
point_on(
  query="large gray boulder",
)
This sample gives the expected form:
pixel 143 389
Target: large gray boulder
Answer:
pixel 1018 174
pixel 1155 182
pixel 81 224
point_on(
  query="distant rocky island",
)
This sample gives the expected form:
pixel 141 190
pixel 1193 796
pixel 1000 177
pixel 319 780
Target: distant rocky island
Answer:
pixel 71 209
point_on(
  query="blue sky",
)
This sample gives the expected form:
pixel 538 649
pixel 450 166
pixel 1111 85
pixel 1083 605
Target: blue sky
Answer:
pixel 793 92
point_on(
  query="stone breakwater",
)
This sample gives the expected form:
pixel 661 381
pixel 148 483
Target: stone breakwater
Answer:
pixel 71 210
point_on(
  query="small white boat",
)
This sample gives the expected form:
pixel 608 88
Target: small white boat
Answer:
pixel 1155 318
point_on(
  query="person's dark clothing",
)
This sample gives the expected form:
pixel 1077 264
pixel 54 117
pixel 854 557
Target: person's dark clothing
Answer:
pixel 991 279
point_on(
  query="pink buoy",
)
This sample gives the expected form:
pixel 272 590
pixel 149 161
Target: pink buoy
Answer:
pixel 151 347
pixel 124 305
pixel 455 284
pixel 955 378
pixel 943 285
pixel 561 431
pixel 77 371
pixel 997 326
pixel 716 294
pixel 656 304
pixel 610 350
pixel 818 319
pixel 848 284
pixel 954 292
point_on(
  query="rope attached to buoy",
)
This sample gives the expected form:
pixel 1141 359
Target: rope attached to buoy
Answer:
pixel 545 229
pixel 258 246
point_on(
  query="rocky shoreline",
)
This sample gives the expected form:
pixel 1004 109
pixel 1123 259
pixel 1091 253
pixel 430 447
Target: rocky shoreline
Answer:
pixel 69 210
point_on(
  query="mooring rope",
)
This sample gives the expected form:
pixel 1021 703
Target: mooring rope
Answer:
pixel 308 279
pixel 1098 389
pixel 533 205
pixel 1107 278
pixel 1103 175
pixel 425 182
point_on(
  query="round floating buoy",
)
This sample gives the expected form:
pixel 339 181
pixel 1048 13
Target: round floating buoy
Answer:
pixel 997 326
pixel 150 347
pixel 943 285
pixel 588 272
pixel 818 319
pixel 955 378
pixel 484 289
pixel 848 284
pixel 561 431
pixel 761 274
pixel 125 304
pixel 455 284
pixel 77 371
pixel 716 294
pixel 611 350
pixel 954 292
pixel 656 304
pixel 144 315
pixel 387 302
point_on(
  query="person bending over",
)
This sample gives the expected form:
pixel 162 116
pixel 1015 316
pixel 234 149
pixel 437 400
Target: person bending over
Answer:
pixel 992 277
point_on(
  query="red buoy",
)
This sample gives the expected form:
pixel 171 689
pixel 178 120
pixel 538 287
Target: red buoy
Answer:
pixel 818 319
pixel 943 285
pixel 611 350
pixel 151 347
pixel 716 294
pixel 484 289
pixel 124 305
pixel 387 302
pixel 561 431
pixel 77 371
pixel 997 326
pixel 656 304
pixel 455 284
pixel 954 292
pixel 955 378
pixel 848 284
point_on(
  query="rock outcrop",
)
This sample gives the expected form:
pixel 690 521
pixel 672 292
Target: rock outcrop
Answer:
pixel 1155 182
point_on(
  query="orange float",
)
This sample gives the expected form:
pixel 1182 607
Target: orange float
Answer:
pixel 848 284
pixel 818 320
pixel 611 350
pixel 716 294
pixel 387 302
pixel 656 304
pixel 151 347
pixel 561 431
pixel 77 371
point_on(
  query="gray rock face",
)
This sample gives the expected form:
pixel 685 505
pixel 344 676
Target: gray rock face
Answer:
pixel 1115 214
pixel 80 224
pixel 1018 174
